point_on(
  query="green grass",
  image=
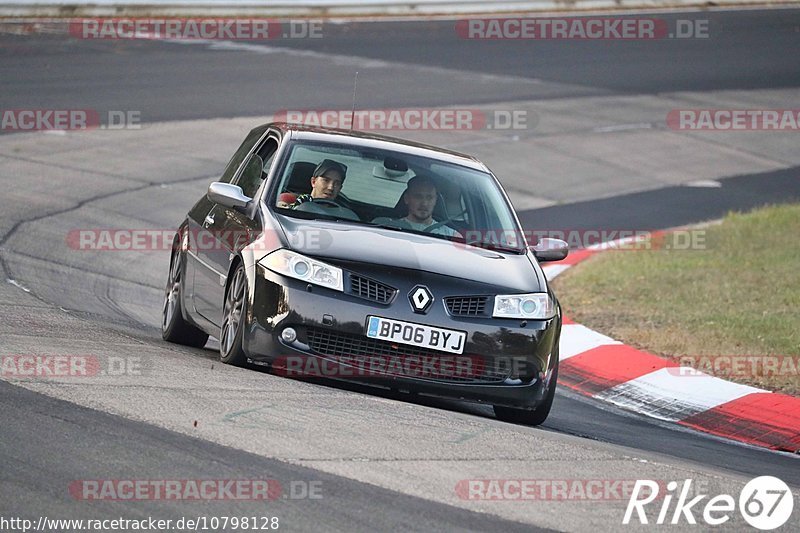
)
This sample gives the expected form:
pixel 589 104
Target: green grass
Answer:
pixel 739 295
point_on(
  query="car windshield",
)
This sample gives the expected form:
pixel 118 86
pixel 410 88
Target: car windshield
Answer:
pixel 395 190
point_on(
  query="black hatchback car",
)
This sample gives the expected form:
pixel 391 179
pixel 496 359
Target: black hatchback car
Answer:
pixel 348 255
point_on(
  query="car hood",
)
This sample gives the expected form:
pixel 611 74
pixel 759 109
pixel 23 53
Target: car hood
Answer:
pixel 339 241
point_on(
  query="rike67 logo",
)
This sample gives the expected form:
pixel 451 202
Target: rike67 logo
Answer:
pixel 765 503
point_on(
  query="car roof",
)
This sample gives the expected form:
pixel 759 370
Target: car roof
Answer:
pixel 374 140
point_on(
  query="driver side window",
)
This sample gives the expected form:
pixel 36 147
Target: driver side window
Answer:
pixel 256 171
pixel 241 153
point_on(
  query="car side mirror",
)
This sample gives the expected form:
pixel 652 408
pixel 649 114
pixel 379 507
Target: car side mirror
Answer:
pixel 227 195
pixel 548 249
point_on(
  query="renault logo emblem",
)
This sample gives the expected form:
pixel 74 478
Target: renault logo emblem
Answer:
pixel 420 298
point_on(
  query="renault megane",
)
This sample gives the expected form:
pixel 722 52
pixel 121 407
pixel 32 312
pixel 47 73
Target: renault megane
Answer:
pixel 358 256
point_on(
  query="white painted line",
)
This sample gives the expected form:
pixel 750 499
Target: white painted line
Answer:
pixel 25 11
pixel 707 184
pixel 18 284
pixel 375 10
pixel 673 394
pixel 353 60
pixel 576 339
pixel 623 127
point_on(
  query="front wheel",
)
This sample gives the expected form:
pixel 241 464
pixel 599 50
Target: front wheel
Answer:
pixel 173 326
pixel 233 318
pixel 529 417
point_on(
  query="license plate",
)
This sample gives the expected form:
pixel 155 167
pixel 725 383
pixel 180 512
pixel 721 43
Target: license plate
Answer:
pixel 446 340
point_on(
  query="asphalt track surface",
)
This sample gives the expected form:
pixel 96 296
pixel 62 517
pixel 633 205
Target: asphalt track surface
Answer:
pixel 46 443
pixel 671 207
pixel 38 471
pixel 746 50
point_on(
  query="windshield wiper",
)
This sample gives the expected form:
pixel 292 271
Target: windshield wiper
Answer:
pixel 383 226
pixel 494 247
pixel 310 215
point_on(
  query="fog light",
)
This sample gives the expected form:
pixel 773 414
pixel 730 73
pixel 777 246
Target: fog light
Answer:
pixel 289 335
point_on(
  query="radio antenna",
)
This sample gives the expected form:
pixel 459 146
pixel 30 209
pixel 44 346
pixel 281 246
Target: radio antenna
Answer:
pixel 353 112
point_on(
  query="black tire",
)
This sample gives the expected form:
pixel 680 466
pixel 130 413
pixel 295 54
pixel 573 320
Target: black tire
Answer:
pixel 234 310
pixel 529 417
pixel 173 326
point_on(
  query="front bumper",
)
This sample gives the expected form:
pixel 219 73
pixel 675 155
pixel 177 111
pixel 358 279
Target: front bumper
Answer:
pixel 507 361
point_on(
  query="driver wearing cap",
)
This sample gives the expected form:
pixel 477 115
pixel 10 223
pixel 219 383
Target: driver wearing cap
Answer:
pixel 326 182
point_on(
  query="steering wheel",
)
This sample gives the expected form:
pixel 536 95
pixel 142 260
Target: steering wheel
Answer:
pixel 438 225
pixel 326 201
pixel 326 206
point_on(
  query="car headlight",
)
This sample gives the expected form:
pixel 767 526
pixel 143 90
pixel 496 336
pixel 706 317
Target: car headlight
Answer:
pixel 534 306
pixel 304 268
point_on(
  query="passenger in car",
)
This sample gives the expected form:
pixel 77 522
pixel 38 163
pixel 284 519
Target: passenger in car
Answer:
pixel 326 182
pixel 420 199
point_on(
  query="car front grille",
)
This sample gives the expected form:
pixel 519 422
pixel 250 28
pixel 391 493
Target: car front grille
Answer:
pixel 385 358
pixel 466 305
pixel 371 289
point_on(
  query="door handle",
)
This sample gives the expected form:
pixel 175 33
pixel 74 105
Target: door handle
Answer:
pixel 209 219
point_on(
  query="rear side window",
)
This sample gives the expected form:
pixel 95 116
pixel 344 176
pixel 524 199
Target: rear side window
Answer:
pixel 250 141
